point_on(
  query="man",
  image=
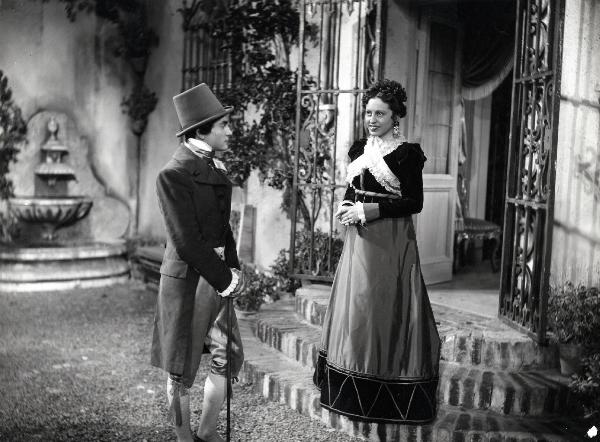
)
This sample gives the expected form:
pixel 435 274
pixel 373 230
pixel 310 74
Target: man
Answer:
pixel 200 267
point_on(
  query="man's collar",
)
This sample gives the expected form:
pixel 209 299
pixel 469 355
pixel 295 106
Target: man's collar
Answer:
pixel 199 147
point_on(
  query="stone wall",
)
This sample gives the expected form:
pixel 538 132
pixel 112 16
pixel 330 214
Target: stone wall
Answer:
pixel 576 236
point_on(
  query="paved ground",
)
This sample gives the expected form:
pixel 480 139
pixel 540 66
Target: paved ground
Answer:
pixel 474 289
pixel 74 367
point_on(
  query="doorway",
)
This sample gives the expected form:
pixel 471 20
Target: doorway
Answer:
pixel 487 62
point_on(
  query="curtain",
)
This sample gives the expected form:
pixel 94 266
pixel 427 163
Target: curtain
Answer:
pixel 488 46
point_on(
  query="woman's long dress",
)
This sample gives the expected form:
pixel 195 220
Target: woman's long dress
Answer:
pixel 380 347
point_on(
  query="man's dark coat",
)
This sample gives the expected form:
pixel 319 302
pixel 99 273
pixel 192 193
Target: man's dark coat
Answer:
pixel 195 200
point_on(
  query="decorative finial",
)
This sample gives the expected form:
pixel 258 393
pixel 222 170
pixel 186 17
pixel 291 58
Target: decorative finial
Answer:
pixel 53 127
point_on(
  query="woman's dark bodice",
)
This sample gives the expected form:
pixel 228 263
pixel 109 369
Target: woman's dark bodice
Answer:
pixel 406 162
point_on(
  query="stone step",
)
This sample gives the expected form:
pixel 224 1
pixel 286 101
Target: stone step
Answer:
pixel 283 380
pixel 467 338
pixel 533 393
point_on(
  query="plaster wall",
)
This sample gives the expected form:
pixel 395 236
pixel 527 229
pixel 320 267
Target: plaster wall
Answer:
pixel 576 234
pixel 159 142
pixel 55 65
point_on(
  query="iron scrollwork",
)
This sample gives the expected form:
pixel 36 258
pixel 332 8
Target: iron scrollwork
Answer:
pixel 529 201
pixel 317 129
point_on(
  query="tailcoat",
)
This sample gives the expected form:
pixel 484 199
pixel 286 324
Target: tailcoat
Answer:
pixel 195 201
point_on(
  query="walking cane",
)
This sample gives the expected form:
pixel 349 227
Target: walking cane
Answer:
pixel 228 350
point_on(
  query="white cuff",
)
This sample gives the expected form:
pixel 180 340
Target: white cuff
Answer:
pixel 346 203
pixel 361 212
pixel 234 282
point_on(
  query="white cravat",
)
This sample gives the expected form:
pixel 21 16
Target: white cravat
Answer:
pixel 202 149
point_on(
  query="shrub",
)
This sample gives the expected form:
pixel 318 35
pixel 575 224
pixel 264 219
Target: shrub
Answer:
pixel 320 259
pixel 320 265
pixel 586 386
pixel 259 289
pixel 281 269
pixel 574 317
pixel 574 314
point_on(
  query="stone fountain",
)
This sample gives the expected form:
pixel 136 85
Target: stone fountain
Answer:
pixel 66 237
pixel 52 208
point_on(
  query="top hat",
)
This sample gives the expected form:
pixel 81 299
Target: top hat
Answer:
pixel 197 106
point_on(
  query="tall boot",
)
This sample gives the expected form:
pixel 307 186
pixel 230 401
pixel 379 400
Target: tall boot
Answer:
pixel 214 396
pixel 179 405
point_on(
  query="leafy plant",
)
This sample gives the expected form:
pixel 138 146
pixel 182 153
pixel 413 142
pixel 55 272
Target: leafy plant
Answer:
pixel 12 133
pixel 574 314
pixel 138 106
pixel 320 266
pixel 259 36
pixel 259 288
pixel 574 317
pixel 280 269
pixel 586 386
pixel 320 246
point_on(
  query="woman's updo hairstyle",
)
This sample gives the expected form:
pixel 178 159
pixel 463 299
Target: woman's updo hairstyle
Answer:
pixel 390 92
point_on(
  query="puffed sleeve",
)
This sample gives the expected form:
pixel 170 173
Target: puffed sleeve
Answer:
pixel 175 199
pixel 407 165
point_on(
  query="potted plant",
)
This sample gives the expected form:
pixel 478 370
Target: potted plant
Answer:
pixel 574 319
pixel 586 385
pixel 285 284
pixel 259 288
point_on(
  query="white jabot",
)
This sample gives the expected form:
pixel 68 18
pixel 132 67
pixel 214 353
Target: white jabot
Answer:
pixel 372 159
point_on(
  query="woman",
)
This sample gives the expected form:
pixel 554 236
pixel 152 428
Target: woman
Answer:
pixel 380 347
pixel 200 266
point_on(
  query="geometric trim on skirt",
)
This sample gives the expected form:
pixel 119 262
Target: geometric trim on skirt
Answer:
pixel 367 398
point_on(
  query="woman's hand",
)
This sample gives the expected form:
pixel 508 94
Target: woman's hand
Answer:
pixel 350 216
pixel 342 210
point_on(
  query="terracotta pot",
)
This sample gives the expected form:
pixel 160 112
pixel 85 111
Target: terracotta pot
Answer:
pixel 570 358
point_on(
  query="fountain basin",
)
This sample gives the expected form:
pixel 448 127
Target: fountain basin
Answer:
pixel 51 212
pixel 48 268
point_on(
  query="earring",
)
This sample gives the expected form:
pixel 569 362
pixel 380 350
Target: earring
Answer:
pixel 396 132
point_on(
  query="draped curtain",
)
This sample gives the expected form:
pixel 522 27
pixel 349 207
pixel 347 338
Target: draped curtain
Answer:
pixel 488 46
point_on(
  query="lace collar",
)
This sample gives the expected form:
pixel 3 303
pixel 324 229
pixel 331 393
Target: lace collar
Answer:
pixel 372 159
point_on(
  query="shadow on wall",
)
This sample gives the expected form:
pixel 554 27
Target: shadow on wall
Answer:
pixel 577 238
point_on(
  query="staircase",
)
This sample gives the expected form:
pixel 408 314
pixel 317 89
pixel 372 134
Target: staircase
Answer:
pixel 495 383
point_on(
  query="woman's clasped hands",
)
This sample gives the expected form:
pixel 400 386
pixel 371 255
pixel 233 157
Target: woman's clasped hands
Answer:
pixel 348 214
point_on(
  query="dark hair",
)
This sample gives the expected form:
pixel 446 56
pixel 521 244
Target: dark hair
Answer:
pixel 390 92
pixel 204 129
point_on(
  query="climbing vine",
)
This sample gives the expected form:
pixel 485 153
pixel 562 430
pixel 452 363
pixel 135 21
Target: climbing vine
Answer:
pixel 260 36
pixel 133 41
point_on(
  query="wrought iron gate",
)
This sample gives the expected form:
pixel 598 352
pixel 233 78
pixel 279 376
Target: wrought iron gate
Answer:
pixel 529 205
pixel 347 36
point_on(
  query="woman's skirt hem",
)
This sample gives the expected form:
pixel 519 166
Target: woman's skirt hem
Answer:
pixel 367 398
